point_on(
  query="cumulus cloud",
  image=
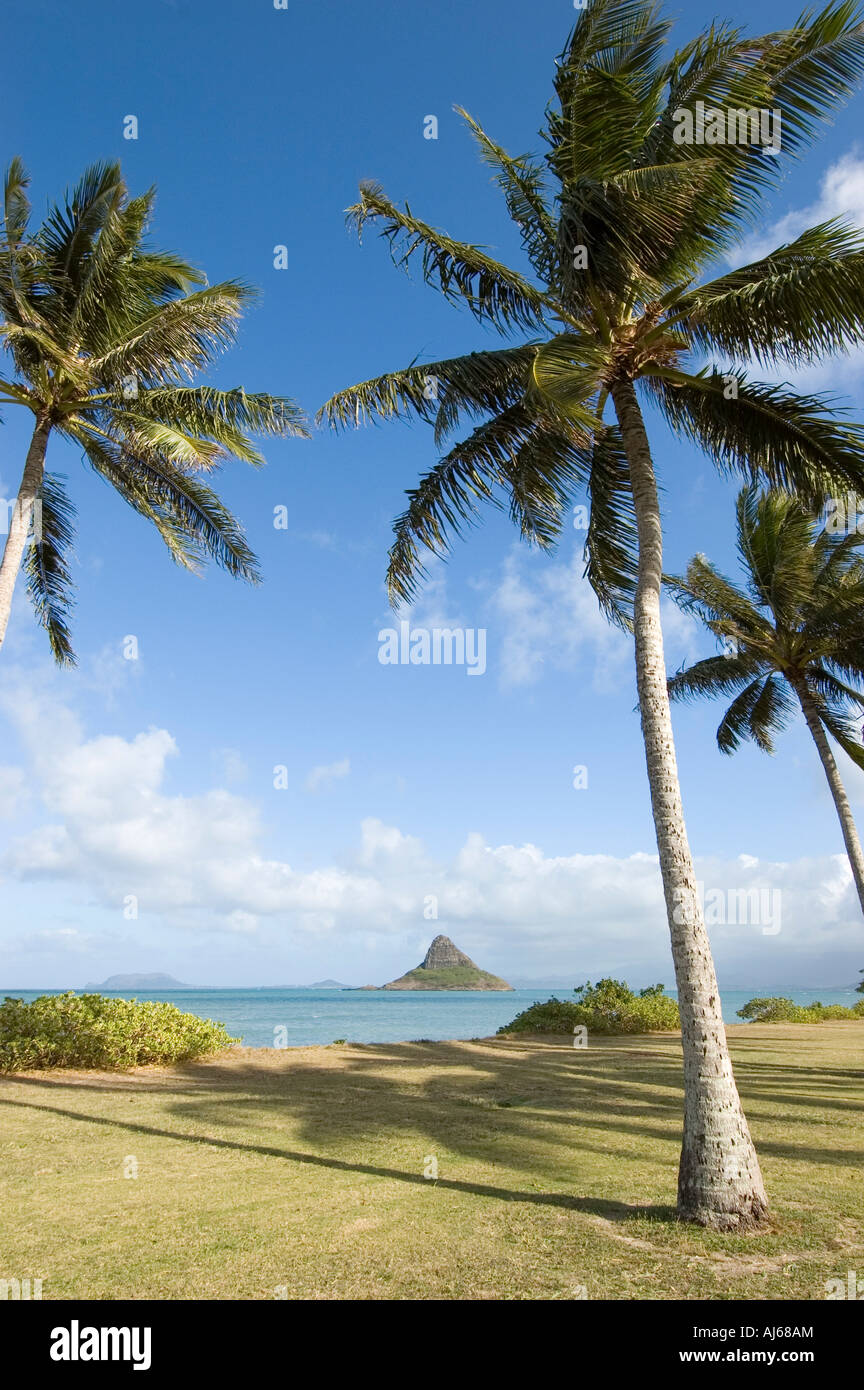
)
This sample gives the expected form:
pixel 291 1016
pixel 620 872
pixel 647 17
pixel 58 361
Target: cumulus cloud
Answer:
pixel 550 619
pixel 330 772
pixel 14 791
pixel 841 194
pixel 197 862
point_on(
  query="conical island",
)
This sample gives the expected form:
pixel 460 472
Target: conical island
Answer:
pixel 446 967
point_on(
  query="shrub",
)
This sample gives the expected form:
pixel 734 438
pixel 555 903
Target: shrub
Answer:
pixel 780 1010
pixel 555 1016
pixel 89 1030
pixel 769 1010
pixel 610 1006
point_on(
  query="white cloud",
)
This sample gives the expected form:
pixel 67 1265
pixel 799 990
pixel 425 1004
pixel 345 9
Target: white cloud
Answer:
pixel 196 862
pixel 329 772
pixel 550 618
pixel 14 792
pixel 841 194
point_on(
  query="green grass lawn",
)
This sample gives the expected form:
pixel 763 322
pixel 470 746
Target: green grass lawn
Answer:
pixel 303 1170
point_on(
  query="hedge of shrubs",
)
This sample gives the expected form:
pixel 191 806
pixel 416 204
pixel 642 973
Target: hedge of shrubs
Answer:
pixel 609 1006
pixel 780 1010
pixel 90 1030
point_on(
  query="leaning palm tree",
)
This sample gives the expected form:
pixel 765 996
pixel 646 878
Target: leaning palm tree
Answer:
pixel 103 336
pixel 620 221
pixel 793 636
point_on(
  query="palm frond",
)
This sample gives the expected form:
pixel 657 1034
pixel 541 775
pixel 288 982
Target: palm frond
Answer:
pixel 463 273
pixel 49 581
pixel 765 432
pixel 523 183
pixel 803 301
pixel 611 545
pixel 443 393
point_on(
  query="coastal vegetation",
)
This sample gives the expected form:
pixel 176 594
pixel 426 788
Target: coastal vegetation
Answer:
pixel 609 1006
pixel 780 1010
pixel 89 1030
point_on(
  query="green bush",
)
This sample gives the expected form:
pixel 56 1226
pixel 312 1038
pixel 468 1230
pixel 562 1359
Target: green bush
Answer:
pixel 779 1010
pixel 610 1006
pixel 89 1030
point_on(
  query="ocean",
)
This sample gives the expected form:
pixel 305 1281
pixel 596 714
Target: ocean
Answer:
pixel 300 1017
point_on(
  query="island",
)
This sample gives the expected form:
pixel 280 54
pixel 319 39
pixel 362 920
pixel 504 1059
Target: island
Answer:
pixel 125 982
pixel 446 967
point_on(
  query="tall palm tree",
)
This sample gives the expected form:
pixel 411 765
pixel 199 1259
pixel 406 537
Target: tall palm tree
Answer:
pixel 103 335
pixel 794 636
pixel 619 221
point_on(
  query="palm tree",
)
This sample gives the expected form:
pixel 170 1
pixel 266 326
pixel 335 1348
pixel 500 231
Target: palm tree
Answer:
pixel 794 636
pixel 618 221
pixel 103 336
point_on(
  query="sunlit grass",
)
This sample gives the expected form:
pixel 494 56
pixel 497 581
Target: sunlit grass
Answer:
pixel 303 1171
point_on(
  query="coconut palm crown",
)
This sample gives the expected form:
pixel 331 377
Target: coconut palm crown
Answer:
pixel 618 221
pixel 104 338
pixel 793 635
pixel 627 222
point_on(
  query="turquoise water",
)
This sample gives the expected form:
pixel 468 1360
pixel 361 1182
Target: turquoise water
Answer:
pixel 306 1016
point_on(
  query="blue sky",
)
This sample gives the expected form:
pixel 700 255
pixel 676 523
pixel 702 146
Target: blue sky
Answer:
pixel 154 778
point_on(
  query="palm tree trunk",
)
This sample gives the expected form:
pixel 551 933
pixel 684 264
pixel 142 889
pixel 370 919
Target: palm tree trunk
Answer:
pixel 719 1182
pixel 19 520
pixel 835 782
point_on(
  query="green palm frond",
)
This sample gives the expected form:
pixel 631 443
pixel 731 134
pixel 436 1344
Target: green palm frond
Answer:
pixel 464 274
pixel 523 182
pixel 764 432
pixel 713 676
pixel 736 725
pixel 611 545
pixel 814 67
pixel 533 461
pixel 442 393
pixel 570 371
pixel 805 300
pixel 49 582
pixel 707 594
pixel 772 713
pixel 197 523
pixel 178 339
pixel 842 728
pixel 16 203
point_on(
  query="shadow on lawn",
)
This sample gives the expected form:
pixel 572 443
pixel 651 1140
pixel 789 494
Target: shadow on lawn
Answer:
pixel 605 1207
pixel 490 1103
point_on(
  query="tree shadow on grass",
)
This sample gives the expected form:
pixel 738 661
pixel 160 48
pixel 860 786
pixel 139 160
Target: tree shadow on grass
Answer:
pixel 605 1207
pixel 500 1103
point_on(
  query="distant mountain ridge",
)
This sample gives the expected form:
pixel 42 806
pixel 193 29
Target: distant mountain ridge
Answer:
pixel 155 981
